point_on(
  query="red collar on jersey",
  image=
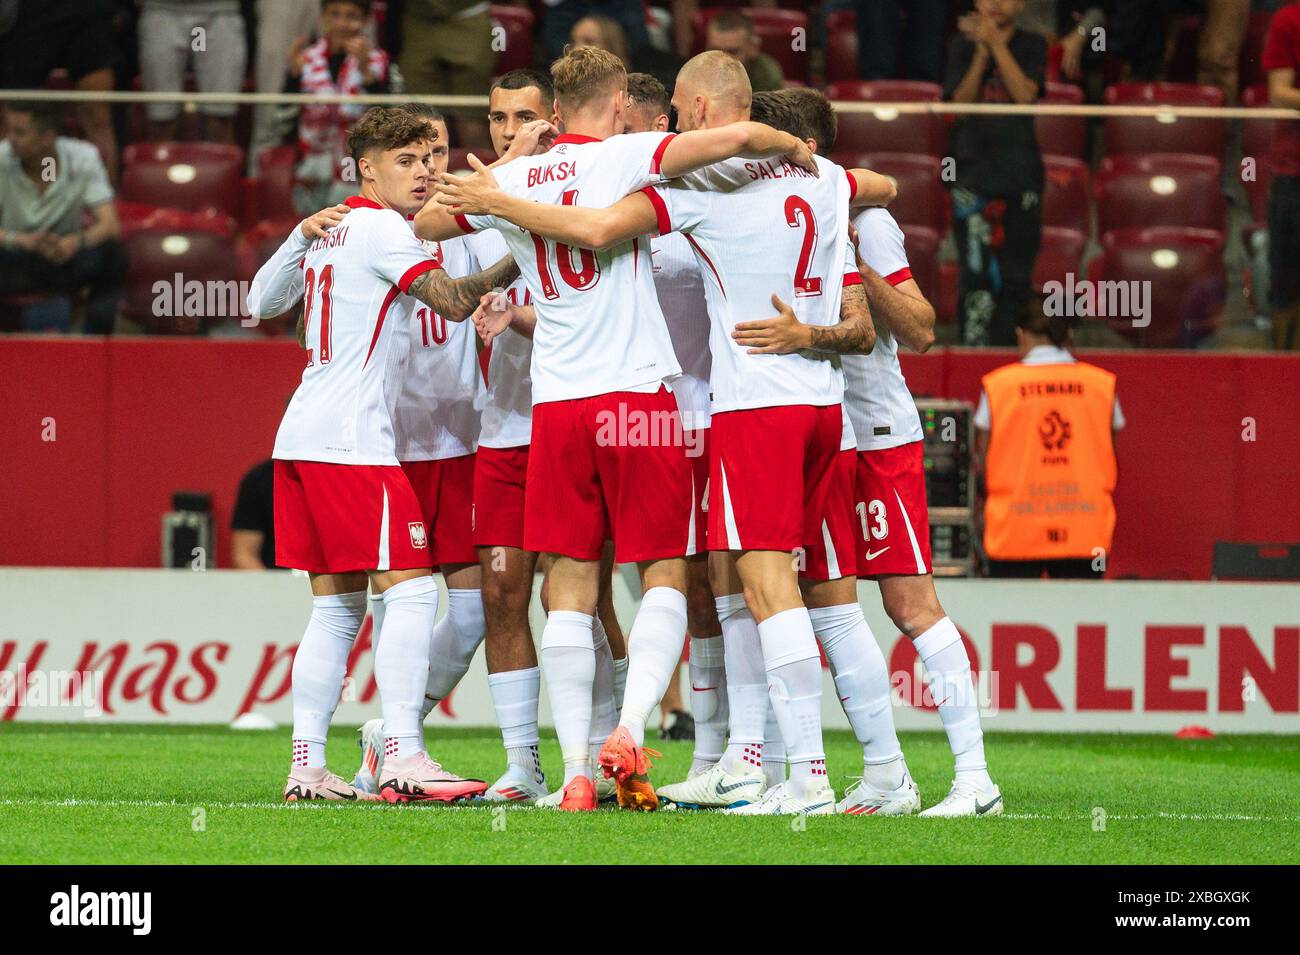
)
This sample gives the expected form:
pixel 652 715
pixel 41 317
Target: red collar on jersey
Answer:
pixel 575 138
pixel 361 202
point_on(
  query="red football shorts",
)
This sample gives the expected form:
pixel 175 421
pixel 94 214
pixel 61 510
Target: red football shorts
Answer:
pixel 500 475
pixel 893 522
pixel 344 518
pixel 697 453
pixel 445 490
pixel 607 466
pixel 778 482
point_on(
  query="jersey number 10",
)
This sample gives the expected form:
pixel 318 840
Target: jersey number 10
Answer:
pixel 581 278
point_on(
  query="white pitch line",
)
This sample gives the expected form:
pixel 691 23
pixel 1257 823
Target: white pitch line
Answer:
pixel 322 804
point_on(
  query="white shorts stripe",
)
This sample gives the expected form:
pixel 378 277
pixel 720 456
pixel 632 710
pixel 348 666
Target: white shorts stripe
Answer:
pixel 728 515
pixel 832 559
pixel 383 536
pixel 911 535
pixel 690 523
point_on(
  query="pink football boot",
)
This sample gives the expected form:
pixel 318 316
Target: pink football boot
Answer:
pixel 317 782
pixel 421 779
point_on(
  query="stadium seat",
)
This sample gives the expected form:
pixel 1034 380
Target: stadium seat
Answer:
pixel 922 247
pixel 775 28
pixel 1062 135
pixel 517 47
pixel 1187 282
pixel 273 187
pixel 1161 190
pixel 1059 255
pixel 887 128
pixel 922 199
pixel 159 255
pixel 1256 142
pixel 1132 135
pixel 456 161
pixel 137 217
pixel 841 46
pixel 1066 199
pixel 192 176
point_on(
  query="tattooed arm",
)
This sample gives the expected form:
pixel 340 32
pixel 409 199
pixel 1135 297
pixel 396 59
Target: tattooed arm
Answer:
pixel 784 334
pixel 456 299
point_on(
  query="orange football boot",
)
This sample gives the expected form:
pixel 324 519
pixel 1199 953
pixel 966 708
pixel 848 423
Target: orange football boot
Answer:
pixel 629 766
pixel 579 796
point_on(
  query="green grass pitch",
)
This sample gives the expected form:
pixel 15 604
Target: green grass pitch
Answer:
pixel 198 794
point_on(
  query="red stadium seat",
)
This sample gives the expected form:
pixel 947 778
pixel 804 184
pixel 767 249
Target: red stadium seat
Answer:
pixel 1187 282
pixel 1162 190
pixel 1059 255
pixel 1133 135
pixel 945 305
pixel 1067 202
pixel 191 176
pixel 841 46
pixel 776 32
pixel 136 217
pixel 516 52
pixel 887 128
pixel 1062 135
pixel 922 199
pixel 922 247
pixel 273 187
pixel 159 255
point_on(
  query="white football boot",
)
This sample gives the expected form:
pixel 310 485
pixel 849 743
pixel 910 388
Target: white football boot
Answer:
pixel 861 799
pixel 715 788
pixel 966 799
pixel 790 799
pixel 371 742
pixel 606 789
pixel 516 785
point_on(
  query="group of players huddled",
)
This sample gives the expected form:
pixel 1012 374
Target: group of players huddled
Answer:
pixel 639 391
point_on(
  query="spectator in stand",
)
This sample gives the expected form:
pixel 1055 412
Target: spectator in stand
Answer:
pixel 212 33
pixel 282 27
pixel 996 195
pixel 562 15
pixel 446 48
pixel 75 35
pixel 49 186
pixel 252 527
pixel 1077 22
pixel 683 15
pixel 343 62
pixel 1281 60
pixel 733 33
pixel 882 37
pixel 604 32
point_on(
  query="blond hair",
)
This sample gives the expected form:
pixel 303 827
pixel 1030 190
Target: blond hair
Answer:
pixel 718 76
pixel 585 73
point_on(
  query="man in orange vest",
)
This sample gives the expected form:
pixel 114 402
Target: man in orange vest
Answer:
pixel 1045 432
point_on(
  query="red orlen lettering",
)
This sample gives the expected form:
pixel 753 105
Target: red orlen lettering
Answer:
pixel 116 655
pixel 1090 690
pixel 1007 639
pixel 904 669
pixel 136 685
pixel 7 651
pixel 1239 656
pixel 1162 666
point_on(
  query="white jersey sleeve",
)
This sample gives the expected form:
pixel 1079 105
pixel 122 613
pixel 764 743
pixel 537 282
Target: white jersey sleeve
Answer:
pixel 880 242
pixel 395 254
pixel 278 284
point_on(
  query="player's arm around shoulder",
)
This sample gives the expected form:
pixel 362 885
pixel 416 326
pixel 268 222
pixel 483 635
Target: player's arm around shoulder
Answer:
pixel 457 299
pixel 871 188
pixel 687 152
pixel 279 282
pixel 784 334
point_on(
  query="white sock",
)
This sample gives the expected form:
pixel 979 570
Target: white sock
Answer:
pixel 773 750
pixel 654 647
pixel 747 702
pixel 604 716
pixel 620 681
pixel 708 673
pixel 514 695
pixel 794 678
pixel 569 660
pixel 862 682
pixel 944 655
pixel 376 619
pixel 455 638
pixel 402 662
pixel 318 670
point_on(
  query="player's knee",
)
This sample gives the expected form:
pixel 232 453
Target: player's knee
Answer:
pixel 913 613
pixel 702 613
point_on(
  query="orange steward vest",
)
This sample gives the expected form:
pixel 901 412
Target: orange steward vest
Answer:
pixel 1050 469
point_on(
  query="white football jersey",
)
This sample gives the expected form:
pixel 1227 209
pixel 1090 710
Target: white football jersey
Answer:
pixel 876 394
pixel 681 296
pixel 508 407
pixel 599 325
pixel 353 282
pixel 759 227
pixel 442 391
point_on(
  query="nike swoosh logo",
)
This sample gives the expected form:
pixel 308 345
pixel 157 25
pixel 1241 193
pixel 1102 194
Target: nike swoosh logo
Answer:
pixel 727 789
pixel 871 556
pixel 344 795
pixel 980 810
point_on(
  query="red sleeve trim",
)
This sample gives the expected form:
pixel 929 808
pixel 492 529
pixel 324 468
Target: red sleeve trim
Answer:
pixel 415 271
pixel 853 185
pixel 464 224
pixel 852 278
pixel 665 224
pixel 899 277
pixel 656 161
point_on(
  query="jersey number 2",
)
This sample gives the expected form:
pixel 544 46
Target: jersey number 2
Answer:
pixel 799 213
